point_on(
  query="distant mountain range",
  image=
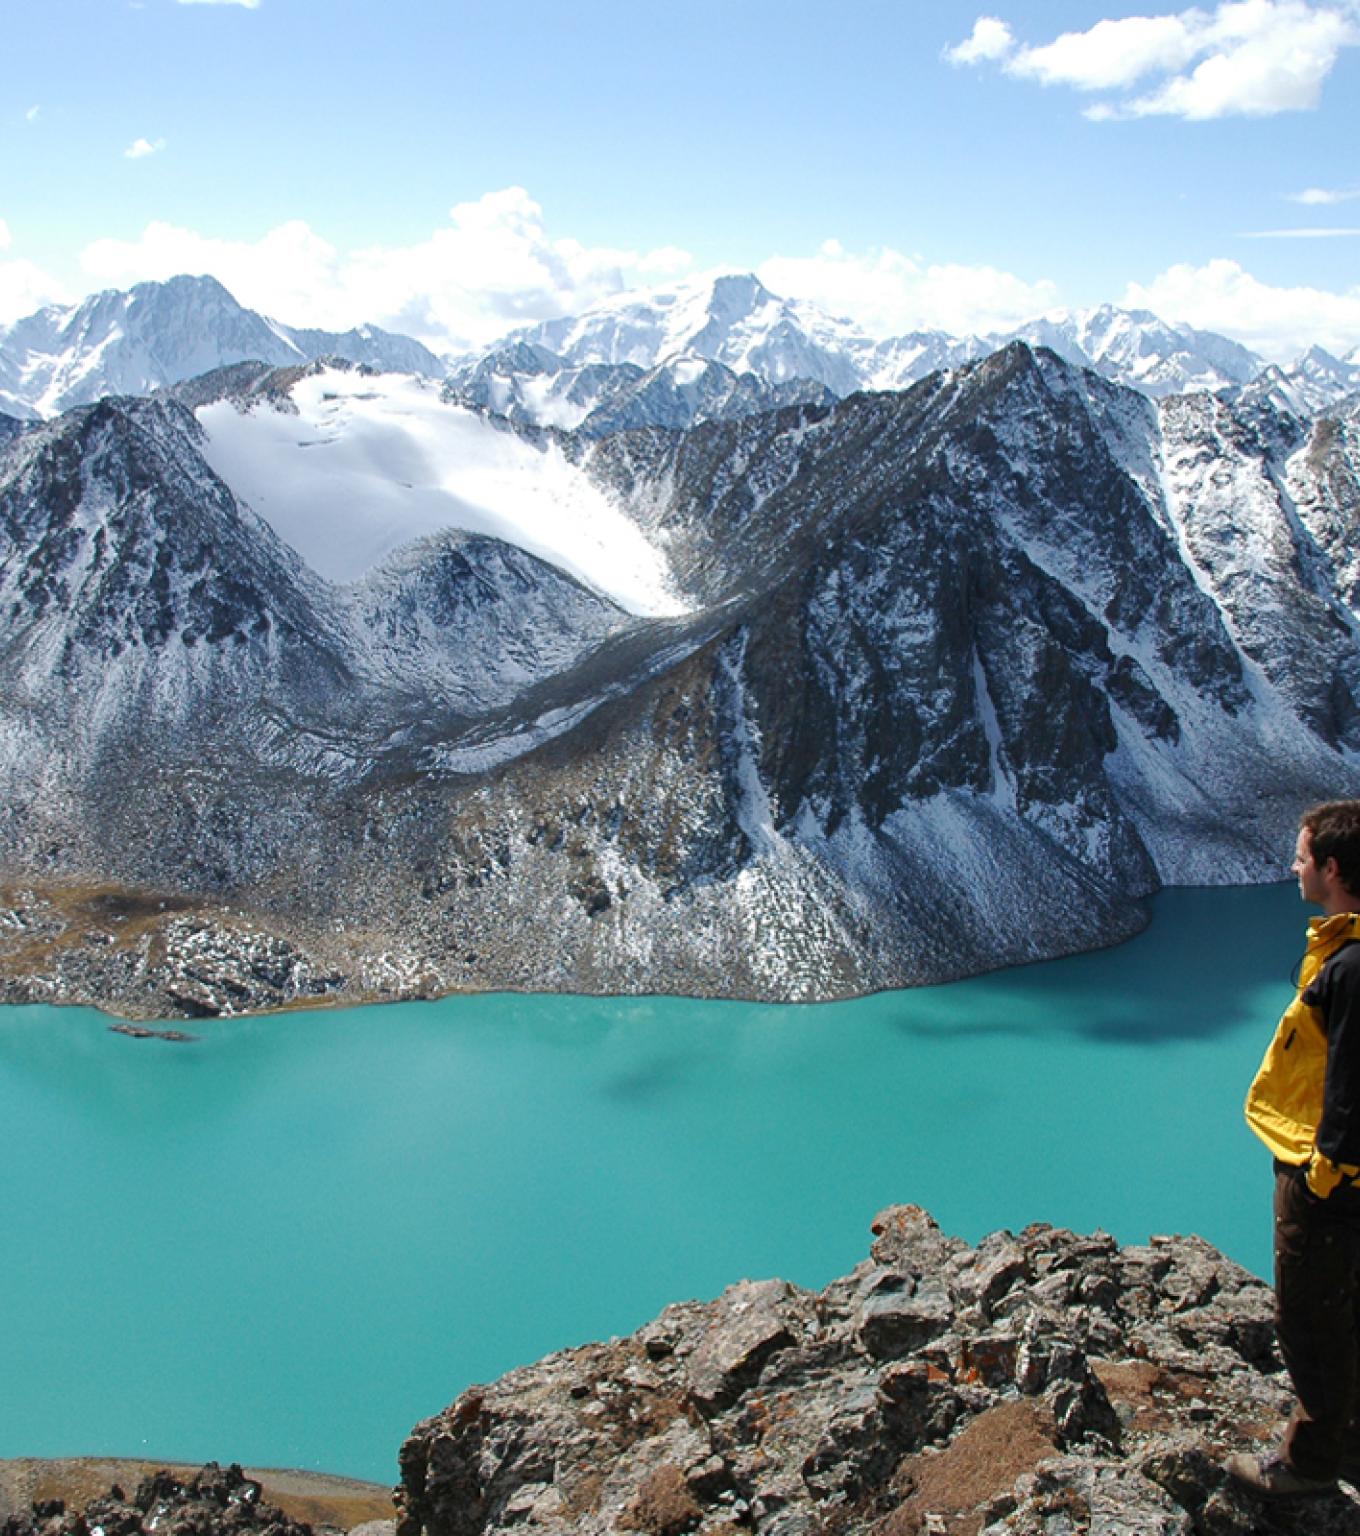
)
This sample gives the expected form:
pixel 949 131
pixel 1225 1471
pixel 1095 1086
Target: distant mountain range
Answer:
pixel 158 334
pixel 737 322
pixel 706 350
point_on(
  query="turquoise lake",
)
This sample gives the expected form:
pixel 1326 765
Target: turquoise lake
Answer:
pixel 286 1242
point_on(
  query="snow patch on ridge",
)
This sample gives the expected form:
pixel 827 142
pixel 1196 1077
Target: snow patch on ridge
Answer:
pixel 755 814
pixel 368 463
pixel 1003 783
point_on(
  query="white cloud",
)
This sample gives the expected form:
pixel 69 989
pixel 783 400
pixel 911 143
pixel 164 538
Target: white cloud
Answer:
pixel 495 266
pixel 24 288
pixel 139 149
pixel 289 273
pixel 1266 58
pixel 887 293
pixel 989 39
pixel 250 5
pixel 31 115
pixel 491 268
pixel 1111 53
pixel 1249 58
pixel 1319 197
pixel 1277 322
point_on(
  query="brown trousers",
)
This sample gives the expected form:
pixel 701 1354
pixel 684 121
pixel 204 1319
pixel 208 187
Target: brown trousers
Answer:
pixel 1317 1316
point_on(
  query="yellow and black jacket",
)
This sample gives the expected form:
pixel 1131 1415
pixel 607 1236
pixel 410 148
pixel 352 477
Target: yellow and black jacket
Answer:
pixel 1304 1103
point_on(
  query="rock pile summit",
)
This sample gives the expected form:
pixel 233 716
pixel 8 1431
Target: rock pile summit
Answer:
pixel 1040 1384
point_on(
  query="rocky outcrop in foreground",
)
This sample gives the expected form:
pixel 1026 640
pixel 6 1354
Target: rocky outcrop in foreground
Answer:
pixel 1036 1385
pixel 214 1502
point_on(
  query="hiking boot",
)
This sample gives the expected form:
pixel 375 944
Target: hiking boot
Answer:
pixel 1273 1478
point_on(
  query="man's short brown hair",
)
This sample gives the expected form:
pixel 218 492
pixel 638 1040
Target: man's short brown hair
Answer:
pixel 1335 829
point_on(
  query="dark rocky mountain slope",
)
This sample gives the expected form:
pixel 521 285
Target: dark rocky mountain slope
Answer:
pixel 961 673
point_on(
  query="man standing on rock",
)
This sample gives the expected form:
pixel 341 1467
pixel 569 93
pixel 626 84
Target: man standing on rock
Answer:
pixel 1305 1105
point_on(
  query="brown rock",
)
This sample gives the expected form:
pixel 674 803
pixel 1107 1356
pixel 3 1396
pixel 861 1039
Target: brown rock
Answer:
pixel 750 1323
pixel 664 1505
pixel 984 1460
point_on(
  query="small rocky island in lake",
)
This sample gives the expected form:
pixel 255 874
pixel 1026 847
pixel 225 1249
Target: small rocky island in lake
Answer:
pixel 1039 1384
pixel 145 1032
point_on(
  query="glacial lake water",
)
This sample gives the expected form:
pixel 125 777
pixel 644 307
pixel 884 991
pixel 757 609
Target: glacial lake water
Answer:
pixel 286 1242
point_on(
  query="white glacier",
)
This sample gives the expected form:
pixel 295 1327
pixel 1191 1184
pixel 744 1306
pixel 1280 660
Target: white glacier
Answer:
pixel 368 463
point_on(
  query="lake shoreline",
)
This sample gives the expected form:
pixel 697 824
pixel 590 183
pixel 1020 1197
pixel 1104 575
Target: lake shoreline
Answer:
pixel 147 957
pixel 30 977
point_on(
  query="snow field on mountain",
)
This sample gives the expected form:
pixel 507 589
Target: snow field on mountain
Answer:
pixel 371 462
pixel 542 397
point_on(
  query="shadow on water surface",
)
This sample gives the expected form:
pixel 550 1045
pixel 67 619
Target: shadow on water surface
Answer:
pixel 1175 981
pixel 647 1081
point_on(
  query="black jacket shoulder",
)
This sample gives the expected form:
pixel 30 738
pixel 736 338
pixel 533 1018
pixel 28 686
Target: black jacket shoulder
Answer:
pixel 1338 982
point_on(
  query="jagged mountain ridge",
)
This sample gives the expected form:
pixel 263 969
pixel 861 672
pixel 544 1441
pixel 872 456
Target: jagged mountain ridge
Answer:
pixel 1317 384
pixel 735 320
pixel 732 319
pixel 1137 348
pixel 531 386
pixel 158 334
pixel 964 671
pixel 710 348
pixel 134 578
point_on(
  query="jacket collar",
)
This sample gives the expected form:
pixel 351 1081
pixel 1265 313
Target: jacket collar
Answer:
pixel 1328 932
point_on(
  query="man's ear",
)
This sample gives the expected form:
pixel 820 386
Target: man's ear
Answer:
pixel 1330 871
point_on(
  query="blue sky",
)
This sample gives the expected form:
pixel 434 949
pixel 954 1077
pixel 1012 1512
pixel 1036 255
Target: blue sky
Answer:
pixel 452 169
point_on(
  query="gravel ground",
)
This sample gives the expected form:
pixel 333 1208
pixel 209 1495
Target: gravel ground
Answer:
pixel 318 1498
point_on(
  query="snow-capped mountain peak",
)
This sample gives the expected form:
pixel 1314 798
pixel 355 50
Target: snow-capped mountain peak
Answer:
pixel 1017 631
pixel 561 372
pixel 731 319
pixel 1137 347
pixel 1316 382
pixel 735 320
pixel 159 333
